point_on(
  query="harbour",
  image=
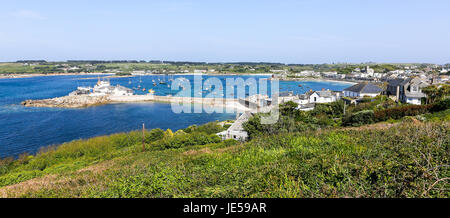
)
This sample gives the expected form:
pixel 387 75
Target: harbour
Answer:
pixel 28 129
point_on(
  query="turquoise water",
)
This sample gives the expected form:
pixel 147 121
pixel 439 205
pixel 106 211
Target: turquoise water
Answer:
pixel 26 129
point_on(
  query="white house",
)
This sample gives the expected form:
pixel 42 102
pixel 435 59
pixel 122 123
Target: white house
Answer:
pixel 302 99
pixel 362 90
pixel 324 96
pixel 412 90
pixel 236 130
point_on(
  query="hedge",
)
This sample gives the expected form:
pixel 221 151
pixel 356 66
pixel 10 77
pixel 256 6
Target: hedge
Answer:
pixel 402 111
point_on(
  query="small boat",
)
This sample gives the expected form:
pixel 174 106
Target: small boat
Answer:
pixel 154 84
pixel 143 89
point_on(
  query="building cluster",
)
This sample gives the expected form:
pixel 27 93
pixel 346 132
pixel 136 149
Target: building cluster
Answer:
pixel 369 74
pixel 406 90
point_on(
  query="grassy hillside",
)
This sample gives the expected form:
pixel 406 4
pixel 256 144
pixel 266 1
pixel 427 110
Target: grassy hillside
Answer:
pixel 403 159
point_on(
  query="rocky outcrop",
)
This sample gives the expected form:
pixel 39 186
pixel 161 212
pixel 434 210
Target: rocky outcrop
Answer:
pixel 75 101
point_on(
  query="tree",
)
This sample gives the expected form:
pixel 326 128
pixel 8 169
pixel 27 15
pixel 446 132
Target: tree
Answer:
pixel 288 108
pixel 435 93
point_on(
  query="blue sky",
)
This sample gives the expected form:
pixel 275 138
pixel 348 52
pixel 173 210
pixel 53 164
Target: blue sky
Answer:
pixel 304 31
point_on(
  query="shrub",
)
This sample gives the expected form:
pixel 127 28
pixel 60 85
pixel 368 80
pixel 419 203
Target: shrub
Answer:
pixel 441 105
pixel 154 135
pixel 208 128
pixel 399 112
pixel 359 118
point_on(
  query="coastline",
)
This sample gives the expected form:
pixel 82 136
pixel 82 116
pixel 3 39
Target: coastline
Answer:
pixel 26 75
pixel 111 75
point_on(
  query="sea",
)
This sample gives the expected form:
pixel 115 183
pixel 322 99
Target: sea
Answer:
pixel 27 129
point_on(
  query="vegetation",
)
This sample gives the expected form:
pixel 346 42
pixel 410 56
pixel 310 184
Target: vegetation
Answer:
pixel 123 74
pixel 406 160
pixel 435 93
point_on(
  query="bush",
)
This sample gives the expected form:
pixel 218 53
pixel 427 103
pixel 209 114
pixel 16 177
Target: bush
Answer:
pixel 359 118
pixel 402 111
pixel 154 135
pixel 209 128
pixel 441 105
pixel 285 124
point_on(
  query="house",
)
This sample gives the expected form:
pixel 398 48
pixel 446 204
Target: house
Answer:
pixel 362 90
pixel 236 130
pixel 324 96
pixel 286 96
pixel 408 90
pixel 393 86
pixel 302 99
pixel 305 107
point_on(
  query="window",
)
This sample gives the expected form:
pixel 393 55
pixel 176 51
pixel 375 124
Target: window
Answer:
pixel 315 99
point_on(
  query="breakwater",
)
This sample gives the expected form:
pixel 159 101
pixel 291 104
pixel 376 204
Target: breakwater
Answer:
pixel 79 101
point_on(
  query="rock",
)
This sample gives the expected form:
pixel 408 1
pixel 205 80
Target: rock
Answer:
pixel 73 101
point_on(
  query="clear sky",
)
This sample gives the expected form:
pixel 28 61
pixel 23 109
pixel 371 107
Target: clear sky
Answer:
pixel 303 31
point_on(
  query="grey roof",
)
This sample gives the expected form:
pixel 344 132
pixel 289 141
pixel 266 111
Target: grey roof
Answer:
pixel 303 106
pixel 324 93
pixel 395 82
pixel 364 88
pixel 405 81
pixel 303 96
pixel 415 94
pixel 237 125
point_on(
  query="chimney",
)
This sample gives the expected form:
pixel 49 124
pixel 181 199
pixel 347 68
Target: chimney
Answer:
pixel 397 93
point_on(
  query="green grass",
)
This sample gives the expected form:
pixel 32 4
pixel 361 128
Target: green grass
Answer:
pixel 13 68
pixel 407 160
